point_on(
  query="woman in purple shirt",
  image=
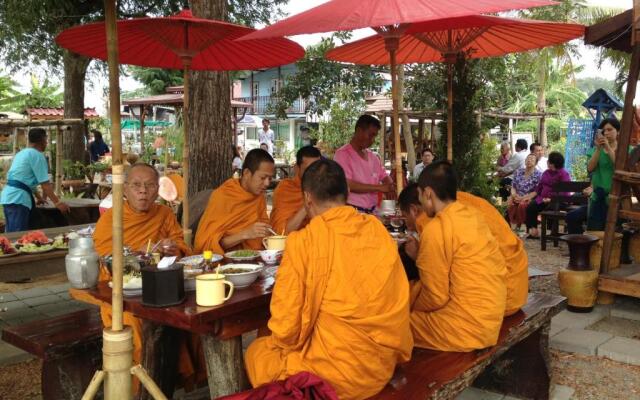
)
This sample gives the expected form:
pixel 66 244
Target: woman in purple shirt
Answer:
pixel 554 174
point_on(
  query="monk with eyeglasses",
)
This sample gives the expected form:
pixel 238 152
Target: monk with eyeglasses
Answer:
pixel 144 220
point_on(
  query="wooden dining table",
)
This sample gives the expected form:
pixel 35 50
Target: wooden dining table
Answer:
pixel 220 329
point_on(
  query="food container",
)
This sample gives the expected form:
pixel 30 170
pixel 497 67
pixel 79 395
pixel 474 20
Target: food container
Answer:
pixel 81 263
pixel 241 275
pixel 274 242
pixel 271 257
pixel 163 287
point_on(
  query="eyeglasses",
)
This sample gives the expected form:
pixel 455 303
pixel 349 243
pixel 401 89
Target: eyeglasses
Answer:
pixel 140 185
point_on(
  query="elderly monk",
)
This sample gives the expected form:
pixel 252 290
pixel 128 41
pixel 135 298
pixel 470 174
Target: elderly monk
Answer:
pixel 288 213
pixel 340 305
pixel 143 221
pixel 511 247
pixel 236 215
pixel 460 300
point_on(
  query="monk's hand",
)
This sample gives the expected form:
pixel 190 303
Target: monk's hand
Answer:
pixel 411 247
pixel 257 230
pixel 169 248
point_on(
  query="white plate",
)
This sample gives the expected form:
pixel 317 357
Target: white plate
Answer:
pixel 38 250
pixel 197 259
pixel 10 254
pixel 230 255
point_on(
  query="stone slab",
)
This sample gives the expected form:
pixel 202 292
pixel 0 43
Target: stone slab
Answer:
pixel 33 292
pixel 561 392
pixel 64 295
pixel 6 297
pixel 12 355
pixel 61 288
pixel 626 308
pixel 621 349
pixel 555 329
pixel 479 394
pixel 18 313
pixel 54 310
pixel 568 319
pixel 48 299
pixel 13 305
pixel 580 341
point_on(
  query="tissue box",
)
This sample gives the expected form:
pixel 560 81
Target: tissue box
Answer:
pixel 163 287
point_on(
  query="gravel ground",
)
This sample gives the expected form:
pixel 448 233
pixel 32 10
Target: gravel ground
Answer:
pixel 592 378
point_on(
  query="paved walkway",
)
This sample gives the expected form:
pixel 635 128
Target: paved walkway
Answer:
pixel 31 305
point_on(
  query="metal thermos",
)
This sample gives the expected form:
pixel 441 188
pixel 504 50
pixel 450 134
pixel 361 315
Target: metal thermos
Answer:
pixel 82 263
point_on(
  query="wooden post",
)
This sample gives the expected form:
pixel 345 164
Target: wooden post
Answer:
pixel 420 136
pixel 432 134
pixel 392 45
pixel 383 133
pixel 449 112
pixel 58 183
pixel 623 144
pixel 15 141
pixel 185 153
pixel 142 114
pixel 224 355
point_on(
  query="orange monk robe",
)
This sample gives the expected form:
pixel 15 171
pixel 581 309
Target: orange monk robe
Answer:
pixel 287 201
pixel 510 245
pixel 339 309
pixel 461 297
pixel 231 209
pixel 138 228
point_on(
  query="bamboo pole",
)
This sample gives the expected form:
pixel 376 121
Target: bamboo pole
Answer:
pixel 185 153
pixel 450 112
pixel 142 112
pixel 391 44
pixel 118 169
pixel 117 358
pixel 58 184
pixel 30 123
pixel 94 385
pixel 15 141
pixel 148 383
pixel 383 124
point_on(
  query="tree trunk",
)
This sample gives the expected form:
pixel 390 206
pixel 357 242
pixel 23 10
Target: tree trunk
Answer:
pixel 541 104
pixel 406 125
pixel 75 70
pixel 210 129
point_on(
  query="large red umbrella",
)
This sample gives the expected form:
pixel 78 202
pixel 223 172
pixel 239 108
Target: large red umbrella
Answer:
pixel 475 36
pixel 390 18
pixel 182 41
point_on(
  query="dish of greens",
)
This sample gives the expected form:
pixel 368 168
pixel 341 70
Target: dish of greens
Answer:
pixel 242 255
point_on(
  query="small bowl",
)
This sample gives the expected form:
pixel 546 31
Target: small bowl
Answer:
pixel 241 279
pixel 271 257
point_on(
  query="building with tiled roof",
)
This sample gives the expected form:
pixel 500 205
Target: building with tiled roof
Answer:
pixel 56 113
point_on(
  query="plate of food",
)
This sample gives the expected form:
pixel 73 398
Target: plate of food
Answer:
pixel 242 255
pixel 62 241
pixel 195 261
pixel 131 284
pixel 6 248
pixel 34 242
pixel 241 275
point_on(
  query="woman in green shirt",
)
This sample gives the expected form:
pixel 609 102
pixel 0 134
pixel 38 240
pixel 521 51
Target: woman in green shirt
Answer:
pixel 601 164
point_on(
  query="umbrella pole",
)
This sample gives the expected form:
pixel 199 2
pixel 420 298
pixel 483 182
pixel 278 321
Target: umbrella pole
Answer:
pixel 392 45
pixel 185 153
pixel 58 186
pixel 449 112
pixel 117 350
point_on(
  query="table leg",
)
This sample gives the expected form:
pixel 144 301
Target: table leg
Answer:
pixel 160 357
pixel 225 365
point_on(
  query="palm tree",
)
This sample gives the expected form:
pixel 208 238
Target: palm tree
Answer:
pixel 45 94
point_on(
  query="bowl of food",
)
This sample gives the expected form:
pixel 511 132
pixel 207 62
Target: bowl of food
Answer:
pixel 242 255
pixel 271 257
pixel 241 275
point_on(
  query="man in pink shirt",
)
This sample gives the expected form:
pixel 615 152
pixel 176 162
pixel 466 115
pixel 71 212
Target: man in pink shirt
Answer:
pixel 364 171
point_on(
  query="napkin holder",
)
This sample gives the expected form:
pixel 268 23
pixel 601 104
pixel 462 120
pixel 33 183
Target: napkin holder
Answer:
pixel 163 287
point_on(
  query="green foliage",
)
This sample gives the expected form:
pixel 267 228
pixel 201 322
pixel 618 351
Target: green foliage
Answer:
pixel 579 168
pixel 591 84
pixel 10 98
pixel 318 80
pixel 345 109
pixel 73 170
pixel 156 80
pixel 45 95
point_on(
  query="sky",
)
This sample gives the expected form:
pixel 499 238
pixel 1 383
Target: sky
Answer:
pixel 94 88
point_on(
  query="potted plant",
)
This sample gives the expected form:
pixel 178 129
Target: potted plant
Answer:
pixel 74 174
pixel 97 168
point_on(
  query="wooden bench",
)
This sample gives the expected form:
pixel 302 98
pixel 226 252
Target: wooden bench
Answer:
pixel 565 195
pixel 517 365
pixel 70 347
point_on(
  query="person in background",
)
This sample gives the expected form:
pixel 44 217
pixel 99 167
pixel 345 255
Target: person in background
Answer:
pixel 265 147
pixel 98 147
pixel 266 135
pixel 240 150
pixel 523 186
pixel 541 161
pixel 505 154
pixel 365 173
pixel 236 163
pixel 555 173
pixel 515 162
pixel 427 158
pixel 28 170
